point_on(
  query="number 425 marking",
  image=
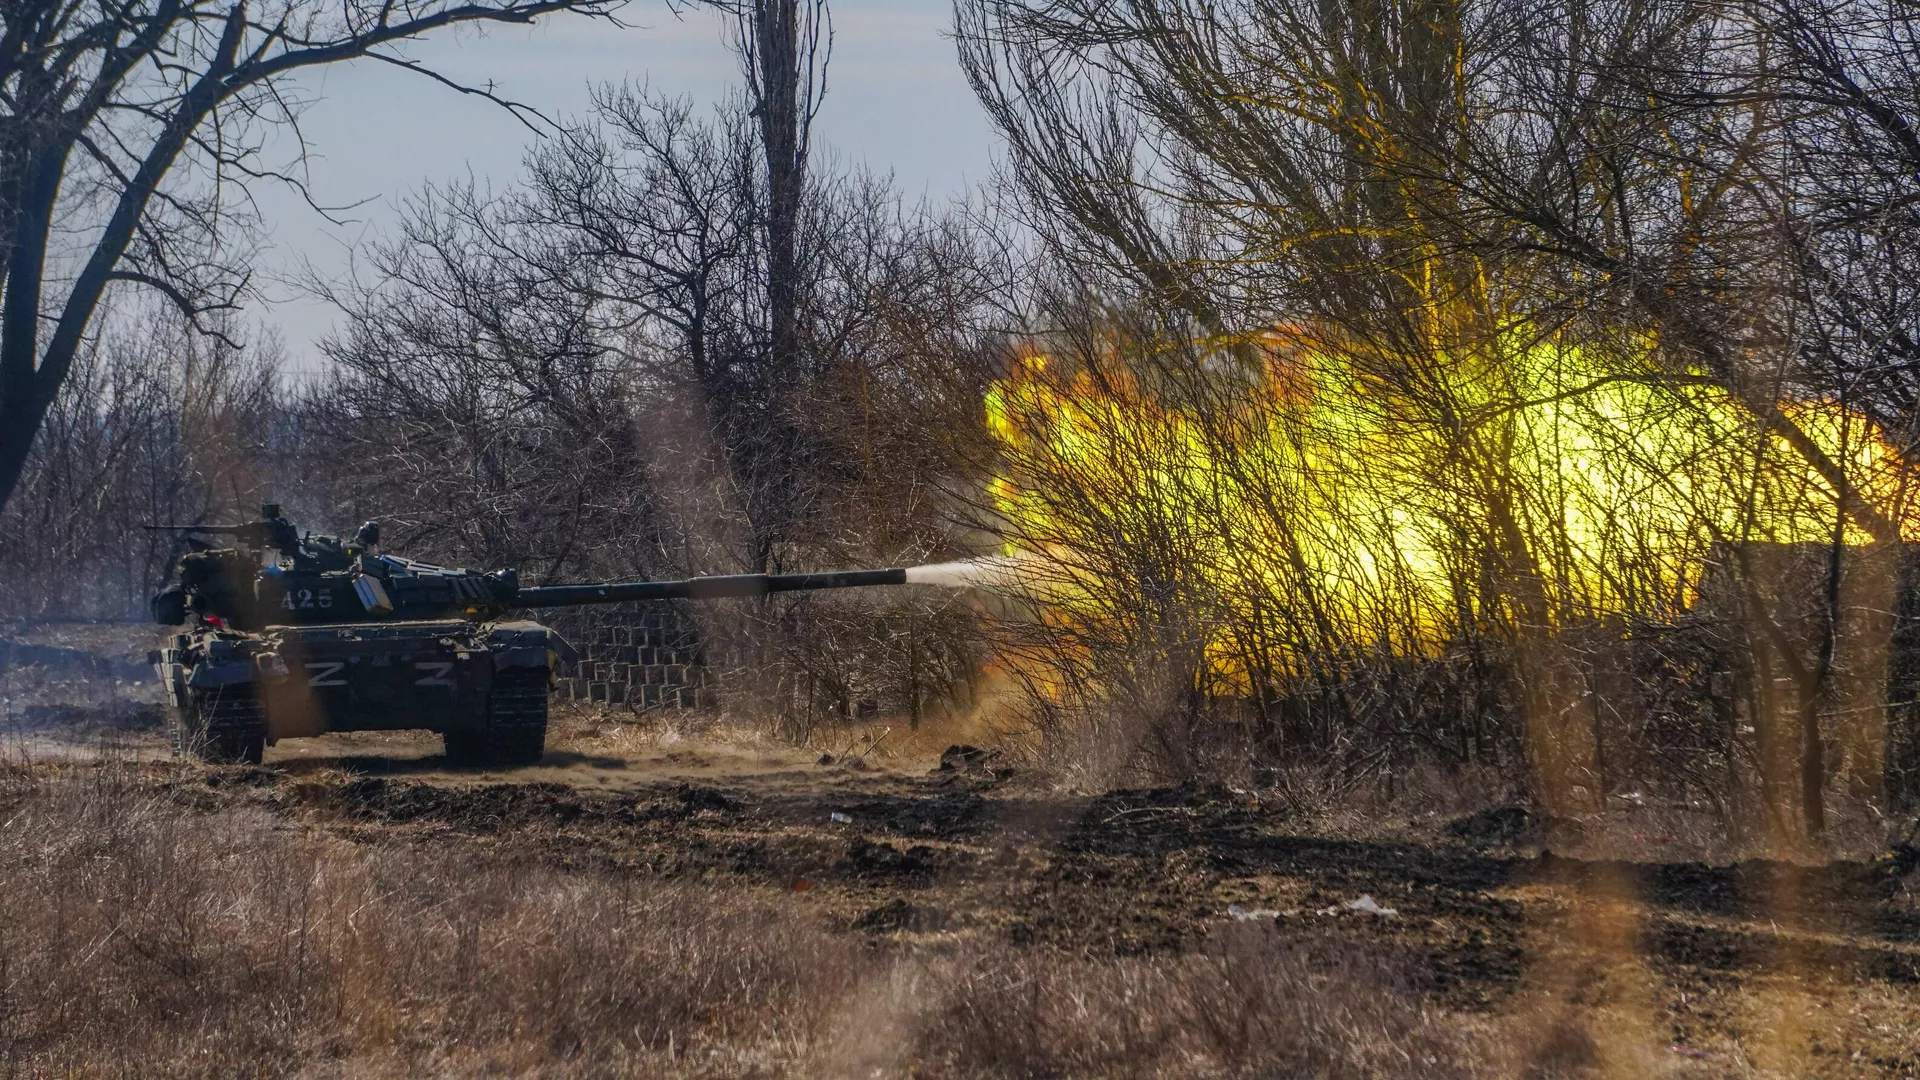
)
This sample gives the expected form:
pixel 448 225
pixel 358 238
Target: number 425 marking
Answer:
pixel 295 599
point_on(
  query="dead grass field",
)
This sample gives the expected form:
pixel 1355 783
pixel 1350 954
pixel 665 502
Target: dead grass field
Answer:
pixel 170 920
pixel 146 937
pixel 649 903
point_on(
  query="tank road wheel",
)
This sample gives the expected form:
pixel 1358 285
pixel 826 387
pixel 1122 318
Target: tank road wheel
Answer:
pixel 224 725
pixel 515 728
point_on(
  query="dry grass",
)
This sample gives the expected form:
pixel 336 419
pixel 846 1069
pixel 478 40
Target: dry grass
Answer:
pixel 622 730
pixel 141 937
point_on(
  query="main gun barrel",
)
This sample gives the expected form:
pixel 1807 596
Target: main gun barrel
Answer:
pixel 703 588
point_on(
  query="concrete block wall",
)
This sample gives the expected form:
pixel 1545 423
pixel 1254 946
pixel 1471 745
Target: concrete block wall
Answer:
pixel 647 657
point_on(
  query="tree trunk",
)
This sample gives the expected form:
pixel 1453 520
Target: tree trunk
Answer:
pixel 780 39
pixel 781 105
pixel 19 422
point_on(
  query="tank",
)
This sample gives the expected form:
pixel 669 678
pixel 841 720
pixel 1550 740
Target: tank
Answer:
pixel 288 635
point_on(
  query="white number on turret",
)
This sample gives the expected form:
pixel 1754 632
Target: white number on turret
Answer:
pixel 294 599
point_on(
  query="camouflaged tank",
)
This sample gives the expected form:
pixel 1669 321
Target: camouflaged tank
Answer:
pixel 290 636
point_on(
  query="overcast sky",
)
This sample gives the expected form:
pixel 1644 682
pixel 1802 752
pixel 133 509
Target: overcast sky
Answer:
pixel 896 100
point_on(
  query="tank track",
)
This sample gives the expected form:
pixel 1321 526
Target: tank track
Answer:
pixel 225 725
pixel 516 725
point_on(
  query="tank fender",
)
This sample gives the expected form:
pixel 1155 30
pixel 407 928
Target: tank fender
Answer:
pixel 519 657
pixel 221 673
pixel 527 645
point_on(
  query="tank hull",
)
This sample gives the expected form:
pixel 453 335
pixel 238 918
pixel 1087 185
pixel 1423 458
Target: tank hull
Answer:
pixel 482 686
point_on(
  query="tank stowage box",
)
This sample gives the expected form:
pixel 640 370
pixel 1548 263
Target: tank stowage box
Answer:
pixel 291 636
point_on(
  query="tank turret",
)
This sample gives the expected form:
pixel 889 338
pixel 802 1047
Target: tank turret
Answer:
pixel 292 635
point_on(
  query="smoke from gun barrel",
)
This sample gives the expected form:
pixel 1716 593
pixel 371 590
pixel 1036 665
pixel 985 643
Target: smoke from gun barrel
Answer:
pixel 989 572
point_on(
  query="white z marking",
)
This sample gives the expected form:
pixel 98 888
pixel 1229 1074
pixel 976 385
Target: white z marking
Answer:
pixel 437 673
pixel 323 673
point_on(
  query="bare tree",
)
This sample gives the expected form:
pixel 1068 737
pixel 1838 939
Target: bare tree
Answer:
pixel 784 47
pixel 472 401
pixel 127 131
pixel 575 376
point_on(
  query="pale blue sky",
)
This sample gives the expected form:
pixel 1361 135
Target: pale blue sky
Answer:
pixel 896 100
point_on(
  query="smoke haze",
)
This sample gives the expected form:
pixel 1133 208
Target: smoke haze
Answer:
pixel 988 572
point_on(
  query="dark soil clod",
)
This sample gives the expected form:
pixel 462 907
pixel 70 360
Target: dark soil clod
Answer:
pixel 899 914
pixel 878 860
pixel 1509 826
